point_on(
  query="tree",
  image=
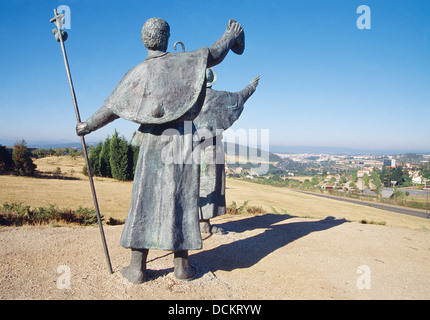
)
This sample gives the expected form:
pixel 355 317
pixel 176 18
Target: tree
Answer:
pixel 94 159
pixel 6 162
pixel 133 153
pixel 399 195
pixel 398 175
pixel 113 158
pixel 425 170
pixel 105 170
pixel 385 176
pixel 366 180
pixel 376 179
pixel 307 183
pixel 21 156
pixel 119 157
pixel 315 181
pixel 342 180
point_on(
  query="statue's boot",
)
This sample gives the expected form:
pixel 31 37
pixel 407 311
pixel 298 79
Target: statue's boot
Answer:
pixel 136 271
pixel 183 270
pixel 206 227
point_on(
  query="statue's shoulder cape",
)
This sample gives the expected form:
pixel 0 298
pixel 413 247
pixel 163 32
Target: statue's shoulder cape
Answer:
pixel 162 89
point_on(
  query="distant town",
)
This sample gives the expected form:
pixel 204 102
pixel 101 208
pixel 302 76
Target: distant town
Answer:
pixel 403 178
pixel 365 164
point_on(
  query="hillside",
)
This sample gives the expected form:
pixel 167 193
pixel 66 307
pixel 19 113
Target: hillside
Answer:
pixel 72 190
pixel 252 154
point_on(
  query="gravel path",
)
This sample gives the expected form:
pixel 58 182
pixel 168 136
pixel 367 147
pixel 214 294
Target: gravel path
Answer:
pixel 261 257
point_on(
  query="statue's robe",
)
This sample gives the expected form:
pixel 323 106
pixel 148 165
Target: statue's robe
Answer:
pixel 220 110
pixel 164 206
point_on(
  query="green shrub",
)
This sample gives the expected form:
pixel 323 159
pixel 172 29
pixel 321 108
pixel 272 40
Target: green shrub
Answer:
pixel 115 222
pixel 14 214
pixel 85 216
pixel 233 209
pixel 255 210
pixel 18 214
pixel 364 221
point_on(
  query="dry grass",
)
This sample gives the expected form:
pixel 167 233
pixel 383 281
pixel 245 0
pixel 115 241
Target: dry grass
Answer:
pixel 115 196
pixel 305 205
pixel 70 167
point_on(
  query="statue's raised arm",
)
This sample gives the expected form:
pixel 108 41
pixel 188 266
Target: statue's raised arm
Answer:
pixel 233 38
pixel 245 93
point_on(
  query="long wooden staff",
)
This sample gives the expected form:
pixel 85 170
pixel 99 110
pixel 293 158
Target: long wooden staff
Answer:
pixel 59 34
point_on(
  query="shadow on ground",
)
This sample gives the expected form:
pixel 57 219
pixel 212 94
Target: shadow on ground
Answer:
pixel 247 252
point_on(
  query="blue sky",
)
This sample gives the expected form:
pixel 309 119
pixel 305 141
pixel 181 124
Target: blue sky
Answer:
pixel 324 82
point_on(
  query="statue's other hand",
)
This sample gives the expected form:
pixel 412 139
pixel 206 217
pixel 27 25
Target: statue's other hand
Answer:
pixel 82 129
pixel 254 82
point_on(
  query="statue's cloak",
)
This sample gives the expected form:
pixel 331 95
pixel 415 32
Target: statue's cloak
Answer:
pixel 167 88
pixel 220 110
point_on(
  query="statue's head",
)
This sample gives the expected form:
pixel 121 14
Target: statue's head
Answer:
pixel 155 34
pixel 210 77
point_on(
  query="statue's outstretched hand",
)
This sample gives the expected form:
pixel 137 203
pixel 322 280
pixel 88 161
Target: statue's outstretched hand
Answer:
pixel 234 28
pixel 254 82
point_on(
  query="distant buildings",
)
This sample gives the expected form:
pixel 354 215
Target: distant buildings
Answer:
pixel 390 163
pixel 416 177
pixel 361 173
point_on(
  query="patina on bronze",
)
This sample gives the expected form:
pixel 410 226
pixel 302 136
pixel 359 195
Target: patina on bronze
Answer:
pixel 61 36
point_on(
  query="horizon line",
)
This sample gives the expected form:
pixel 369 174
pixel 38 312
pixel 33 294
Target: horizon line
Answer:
pixel 273 148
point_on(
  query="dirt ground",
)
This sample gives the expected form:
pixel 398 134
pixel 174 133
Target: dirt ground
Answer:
pixel 261 257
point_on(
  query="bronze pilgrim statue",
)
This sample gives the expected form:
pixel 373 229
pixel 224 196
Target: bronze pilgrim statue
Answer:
pixel 164 94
